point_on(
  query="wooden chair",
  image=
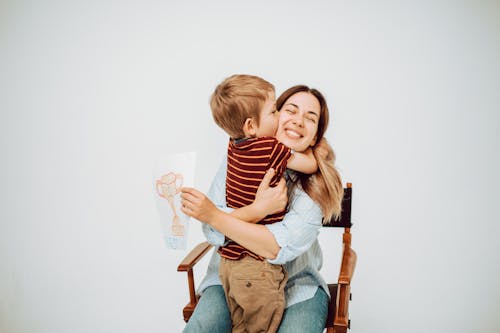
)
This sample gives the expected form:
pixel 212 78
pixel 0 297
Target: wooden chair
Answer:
pixel 338 312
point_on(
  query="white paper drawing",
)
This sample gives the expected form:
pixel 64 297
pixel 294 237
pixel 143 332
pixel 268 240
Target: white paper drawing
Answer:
pixel 167 187
pixel 171 173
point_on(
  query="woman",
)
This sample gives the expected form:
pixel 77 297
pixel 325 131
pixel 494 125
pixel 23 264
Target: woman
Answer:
pixel 292 242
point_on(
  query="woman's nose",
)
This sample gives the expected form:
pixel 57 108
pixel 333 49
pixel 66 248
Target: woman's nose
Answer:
pixel 297 120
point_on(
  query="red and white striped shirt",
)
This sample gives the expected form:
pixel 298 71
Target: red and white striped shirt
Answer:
pixel 247 163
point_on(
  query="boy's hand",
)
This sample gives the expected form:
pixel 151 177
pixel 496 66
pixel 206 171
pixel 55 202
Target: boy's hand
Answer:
pixel 197 205
pixel 270 200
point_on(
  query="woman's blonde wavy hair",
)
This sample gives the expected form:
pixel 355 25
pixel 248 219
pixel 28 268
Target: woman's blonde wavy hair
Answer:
pixel 325 186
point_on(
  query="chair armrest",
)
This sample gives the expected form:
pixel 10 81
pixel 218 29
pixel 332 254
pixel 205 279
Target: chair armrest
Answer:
pixel 347 266
pixel 187 265
pixel 194 256
pixel 341 316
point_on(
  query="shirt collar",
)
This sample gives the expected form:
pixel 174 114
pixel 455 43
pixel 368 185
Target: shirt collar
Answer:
pixel 291 175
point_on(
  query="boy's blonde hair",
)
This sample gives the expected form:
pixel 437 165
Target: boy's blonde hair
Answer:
pixel 238 98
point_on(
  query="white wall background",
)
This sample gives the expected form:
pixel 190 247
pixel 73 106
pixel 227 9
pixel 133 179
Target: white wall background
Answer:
pixel 92 92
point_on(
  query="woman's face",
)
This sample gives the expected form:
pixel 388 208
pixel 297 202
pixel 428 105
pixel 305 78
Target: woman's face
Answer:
pixel 298 121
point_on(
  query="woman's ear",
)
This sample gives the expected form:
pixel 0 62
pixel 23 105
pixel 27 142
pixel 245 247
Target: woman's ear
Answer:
pixel 250 128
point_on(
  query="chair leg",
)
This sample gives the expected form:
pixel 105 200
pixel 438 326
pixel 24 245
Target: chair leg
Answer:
pixel 339 329
pixel 188 311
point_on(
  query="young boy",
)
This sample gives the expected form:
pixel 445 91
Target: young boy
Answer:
pixel 244 107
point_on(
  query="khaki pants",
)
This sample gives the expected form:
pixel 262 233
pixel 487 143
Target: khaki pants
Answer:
pixel 255 294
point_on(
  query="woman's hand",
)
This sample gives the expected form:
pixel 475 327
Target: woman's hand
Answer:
pixel 270 200
pixel 197 205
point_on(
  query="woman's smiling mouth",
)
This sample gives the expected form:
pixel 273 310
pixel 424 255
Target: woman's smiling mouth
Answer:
pixel 293 134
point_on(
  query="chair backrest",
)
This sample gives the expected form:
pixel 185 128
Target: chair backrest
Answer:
pixel 344 221
pixel 338 310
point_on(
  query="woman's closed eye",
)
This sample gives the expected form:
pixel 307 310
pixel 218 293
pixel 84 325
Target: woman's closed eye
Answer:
pixel 311 119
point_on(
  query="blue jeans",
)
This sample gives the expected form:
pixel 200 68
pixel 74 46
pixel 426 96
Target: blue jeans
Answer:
pixel 212 315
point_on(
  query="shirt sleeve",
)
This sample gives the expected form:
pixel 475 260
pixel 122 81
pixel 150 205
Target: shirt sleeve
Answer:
pixel 299 228
pixel 217 194
pixel 279 160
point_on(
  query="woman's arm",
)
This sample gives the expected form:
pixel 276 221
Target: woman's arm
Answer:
pixel 217 193
pixel 299 228
pixel 255 237
pixel 280 242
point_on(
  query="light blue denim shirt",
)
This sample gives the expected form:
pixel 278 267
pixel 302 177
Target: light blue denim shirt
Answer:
pixel 296 234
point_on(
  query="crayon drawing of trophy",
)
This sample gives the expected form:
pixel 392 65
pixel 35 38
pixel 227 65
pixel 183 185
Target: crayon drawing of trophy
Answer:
pixel 167 187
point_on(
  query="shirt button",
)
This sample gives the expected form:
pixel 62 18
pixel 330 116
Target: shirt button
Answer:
pixel 249 284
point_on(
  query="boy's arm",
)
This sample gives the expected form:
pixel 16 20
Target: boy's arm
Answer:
pixel 304 162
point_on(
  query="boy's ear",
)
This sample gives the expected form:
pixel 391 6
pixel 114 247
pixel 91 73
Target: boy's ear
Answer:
pixel 250 128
